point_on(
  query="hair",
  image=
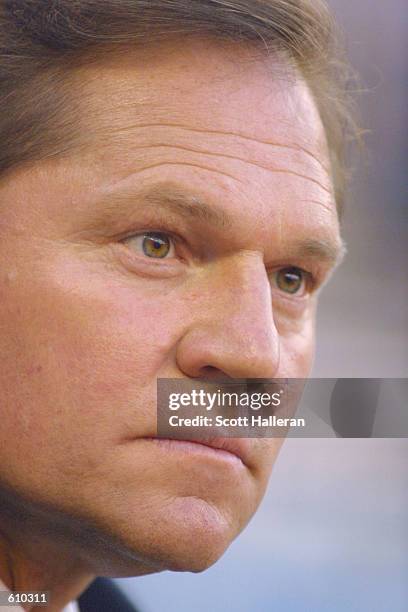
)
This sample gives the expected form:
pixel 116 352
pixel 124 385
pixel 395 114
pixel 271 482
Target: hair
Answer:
pixel 41 42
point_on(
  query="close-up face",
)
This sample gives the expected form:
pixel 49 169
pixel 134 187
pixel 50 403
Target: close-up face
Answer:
pixel 186 236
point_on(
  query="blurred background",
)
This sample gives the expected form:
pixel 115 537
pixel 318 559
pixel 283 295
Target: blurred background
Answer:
pixel 332 532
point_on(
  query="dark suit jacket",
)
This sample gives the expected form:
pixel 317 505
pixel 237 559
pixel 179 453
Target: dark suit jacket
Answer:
pixel 103 595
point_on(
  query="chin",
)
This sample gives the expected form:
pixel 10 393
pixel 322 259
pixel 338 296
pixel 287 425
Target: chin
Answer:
pixel 197 534
pixel 187 535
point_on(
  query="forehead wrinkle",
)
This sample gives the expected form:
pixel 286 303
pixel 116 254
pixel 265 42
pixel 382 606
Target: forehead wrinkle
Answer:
pixel 183 163
pixel 245 137
pixel 329 208
pixel 238 158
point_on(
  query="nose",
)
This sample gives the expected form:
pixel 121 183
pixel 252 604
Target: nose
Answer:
pixel 233 333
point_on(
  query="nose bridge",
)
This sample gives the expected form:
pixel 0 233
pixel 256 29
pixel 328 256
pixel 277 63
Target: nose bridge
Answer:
pixel 235 332
pixel 242 291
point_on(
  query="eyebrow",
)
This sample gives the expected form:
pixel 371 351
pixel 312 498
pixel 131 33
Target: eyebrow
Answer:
pixel 188 205
pixel 169 197
pixel 330 251
pixel 166 197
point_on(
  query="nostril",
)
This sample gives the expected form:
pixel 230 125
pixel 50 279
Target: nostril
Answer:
pixel 212 373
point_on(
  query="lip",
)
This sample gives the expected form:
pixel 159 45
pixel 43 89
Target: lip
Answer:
pixel 240 448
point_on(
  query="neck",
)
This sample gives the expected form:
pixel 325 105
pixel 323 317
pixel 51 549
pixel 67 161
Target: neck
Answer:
pixel 45 549
pixel 38 566
pixel 34 557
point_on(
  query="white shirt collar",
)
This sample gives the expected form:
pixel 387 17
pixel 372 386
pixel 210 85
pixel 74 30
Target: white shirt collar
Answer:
pixel 71 607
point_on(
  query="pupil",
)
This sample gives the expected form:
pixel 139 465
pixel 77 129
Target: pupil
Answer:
pixel 290 281
pixel 154 245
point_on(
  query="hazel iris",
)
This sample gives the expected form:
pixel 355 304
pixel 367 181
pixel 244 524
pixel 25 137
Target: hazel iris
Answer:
pixel 290 280
pixel 156 245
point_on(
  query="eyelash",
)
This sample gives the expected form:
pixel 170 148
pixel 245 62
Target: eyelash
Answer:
pixel 309 279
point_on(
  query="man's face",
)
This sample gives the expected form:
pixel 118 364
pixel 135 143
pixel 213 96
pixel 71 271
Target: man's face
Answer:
pixel 187 237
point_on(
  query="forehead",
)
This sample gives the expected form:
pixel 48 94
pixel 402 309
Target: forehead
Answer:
pixel 209 92
pixel 210 114
pixel 200 77
pixel 239 133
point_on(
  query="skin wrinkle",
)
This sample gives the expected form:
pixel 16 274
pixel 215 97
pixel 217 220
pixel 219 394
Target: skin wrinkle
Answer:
pixel 234 157
pixel 225 133
pixel 187 164
pixel 318 203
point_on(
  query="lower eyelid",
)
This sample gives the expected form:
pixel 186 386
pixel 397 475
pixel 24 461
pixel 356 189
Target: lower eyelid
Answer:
pixel 146 266
pixel 290 303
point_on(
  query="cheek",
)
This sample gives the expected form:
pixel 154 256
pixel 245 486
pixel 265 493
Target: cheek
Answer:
pixel 80 361
pixel 297 346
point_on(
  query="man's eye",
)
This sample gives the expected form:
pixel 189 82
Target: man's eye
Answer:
pixel 155 245
pixel 291 280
